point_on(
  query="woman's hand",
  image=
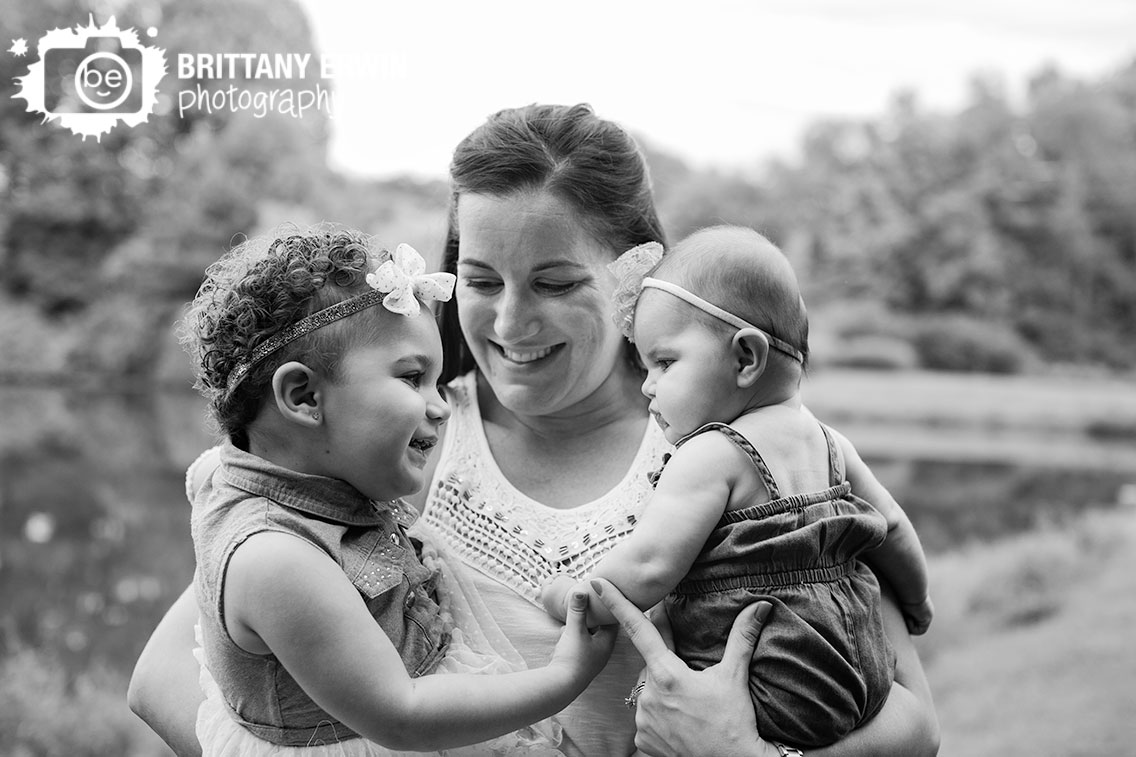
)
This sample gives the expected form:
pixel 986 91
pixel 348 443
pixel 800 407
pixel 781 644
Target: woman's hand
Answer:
pixel 688 713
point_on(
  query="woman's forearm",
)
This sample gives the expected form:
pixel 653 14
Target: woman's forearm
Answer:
pixel 164 689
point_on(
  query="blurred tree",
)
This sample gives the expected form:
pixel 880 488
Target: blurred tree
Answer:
pixel 121 229
pixel 1023 218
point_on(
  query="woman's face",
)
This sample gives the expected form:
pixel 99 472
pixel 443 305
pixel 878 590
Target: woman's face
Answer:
pixel 534 298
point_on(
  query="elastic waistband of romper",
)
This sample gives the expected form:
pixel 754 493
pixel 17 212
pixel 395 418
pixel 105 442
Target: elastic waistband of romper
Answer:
pixel 694 587
pixel 785 504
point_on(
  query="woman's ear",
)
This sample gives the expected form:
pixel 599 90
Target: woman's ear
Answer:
pixel 295 389
pixel 751 355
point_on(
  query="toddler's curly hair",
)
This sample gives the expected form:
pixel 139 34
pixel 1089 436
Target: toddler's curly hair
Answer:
pixel 261 287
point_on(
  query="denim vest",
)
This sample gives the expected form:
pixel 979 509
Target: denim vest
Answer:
pixel 248 495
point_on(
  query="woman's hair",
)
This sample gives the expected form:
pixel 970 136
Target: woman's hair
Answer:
pixel 591 164
pixel 260 288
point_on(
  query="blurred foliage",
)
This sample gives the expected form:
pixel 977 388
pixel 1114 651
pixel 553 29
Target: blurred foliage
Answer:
pixel 46 712
pixel 1020 218
pixel 963 343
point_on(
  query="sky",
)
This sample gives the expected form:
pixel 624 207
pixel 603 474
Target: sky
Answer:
pixel 721 83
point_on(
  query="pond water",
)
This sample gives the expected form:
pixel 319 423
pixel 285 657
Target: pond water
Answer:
pixel 94 534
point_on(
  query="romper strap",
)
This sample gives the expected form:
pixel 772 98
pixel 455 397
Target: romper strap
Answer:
pixel 835 459
pixel 743 444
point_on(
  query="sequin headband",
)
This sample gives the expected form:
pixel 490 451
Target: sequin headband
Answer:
pixel 399 284
pixel 631 268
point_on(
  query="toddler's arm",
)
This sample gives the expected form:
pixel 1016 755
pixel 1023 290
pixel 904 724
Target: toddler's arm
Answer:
pixel 900 559
pixel 285 596
pixel 687 503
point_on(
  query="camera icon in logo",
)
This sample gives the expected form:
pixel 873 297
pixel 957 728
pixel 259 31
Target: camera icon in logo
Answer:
pixel 101 77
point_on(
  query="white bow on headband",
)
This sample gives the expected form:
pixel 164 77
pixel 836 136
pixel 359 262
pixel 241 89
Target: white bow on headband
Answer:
pixel 630 269
pixel 404 277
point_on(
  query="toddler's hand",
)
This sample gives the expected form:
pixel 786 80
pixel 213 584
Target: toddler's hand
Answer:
pixel 918 616
pixel 582 652
pixel 554 595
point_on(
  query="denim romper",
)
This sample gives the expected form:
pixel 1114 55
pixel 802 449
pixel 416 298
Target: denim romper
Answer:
pixel 823 664
pixel 248 495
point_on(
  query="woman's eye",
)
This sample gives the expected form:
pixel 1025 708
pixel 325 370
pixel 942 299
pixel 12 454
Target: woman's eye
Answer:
pixel 482 285
pixel 556 287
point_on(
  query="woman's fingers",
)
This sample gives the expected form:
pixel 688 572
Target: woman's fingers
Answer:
pixel 742 641
pixel 634 623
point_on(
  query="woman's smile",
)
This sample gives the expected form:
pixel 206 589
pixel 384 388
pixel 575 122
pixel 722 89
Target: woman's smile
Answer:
pixel 525 356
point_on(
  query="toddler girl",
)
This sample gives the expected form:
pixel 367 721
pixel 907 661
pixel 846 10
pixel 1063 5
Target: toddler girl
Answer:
pixel 319 621
pixel 728 524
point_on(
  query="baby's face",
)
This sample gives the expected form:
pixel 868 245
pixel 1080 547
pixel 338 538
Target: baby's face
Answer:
pixel 383 414
pixel 691 379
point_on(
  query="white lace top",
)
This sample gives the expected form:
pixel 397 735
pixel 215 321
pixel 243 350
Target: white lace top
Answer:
pixel 513 543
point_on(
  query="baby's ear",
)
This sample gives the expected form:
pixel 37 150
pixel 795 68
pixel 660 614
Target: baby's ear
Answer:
pixel 751 355
pixel 295 389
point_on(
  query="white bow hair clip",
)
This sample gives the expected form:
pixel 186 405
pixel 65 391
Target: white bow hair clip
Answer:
pixel 630 269
pixel 404 277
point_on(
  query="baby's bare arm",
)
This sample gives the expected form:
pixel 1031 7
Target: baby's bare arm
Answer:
pixel 688 501
pixel 900 559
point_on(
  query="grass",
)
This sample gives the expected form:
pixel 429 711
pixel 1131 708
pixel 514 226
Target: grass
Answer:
pixel 1030 651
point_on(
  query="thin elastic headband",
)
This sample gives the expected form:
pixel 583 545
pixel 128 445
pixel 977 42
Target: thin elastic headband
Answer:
pixel 722 315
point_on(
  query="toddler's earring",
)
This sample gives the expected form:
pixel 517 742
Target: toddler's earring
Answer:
pixel 315 415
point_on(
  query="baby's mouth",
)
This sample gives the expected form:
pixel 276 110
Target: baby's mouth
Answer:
pixel 423 445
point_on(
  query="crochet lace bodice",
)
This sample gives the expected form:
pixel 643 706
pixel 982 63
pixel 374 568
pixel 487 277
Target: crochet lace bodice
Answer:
pixel 493 527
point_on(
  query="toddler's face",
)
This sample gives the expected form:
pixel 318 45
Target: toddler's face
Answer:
pixel 690 375
pixel 382 417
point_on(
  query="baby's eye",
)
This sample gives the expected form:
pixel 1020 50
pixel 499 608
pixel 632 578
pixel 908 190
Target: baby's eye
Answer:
pixel 664 363
pixel 414 378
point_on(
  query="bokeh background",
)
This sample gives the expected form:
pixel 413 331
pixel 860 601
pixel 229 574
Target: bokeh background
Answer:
pixel 955 186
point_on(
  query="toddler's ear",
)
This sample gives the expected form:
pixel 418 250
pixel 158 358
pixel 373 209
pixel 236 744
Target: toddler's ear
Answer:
pixel 751 355
pixel 294 387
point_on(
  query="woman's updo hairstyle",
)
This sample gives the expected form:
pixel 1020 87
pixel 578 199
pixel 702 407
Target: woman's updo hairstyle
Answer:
pixel 591 164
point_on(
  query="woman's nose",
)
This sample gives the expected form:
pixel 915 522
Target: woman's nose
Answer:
pixel 516 319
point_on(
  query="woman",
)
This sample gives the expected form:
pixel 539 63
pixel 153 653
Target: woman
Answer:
pixel 545 457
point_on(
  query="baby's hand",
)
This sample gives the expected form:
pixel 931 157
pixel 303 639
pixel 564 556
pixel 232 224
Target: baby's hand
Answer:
pixel 918 616
pixel 554 595
pixel 582 652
